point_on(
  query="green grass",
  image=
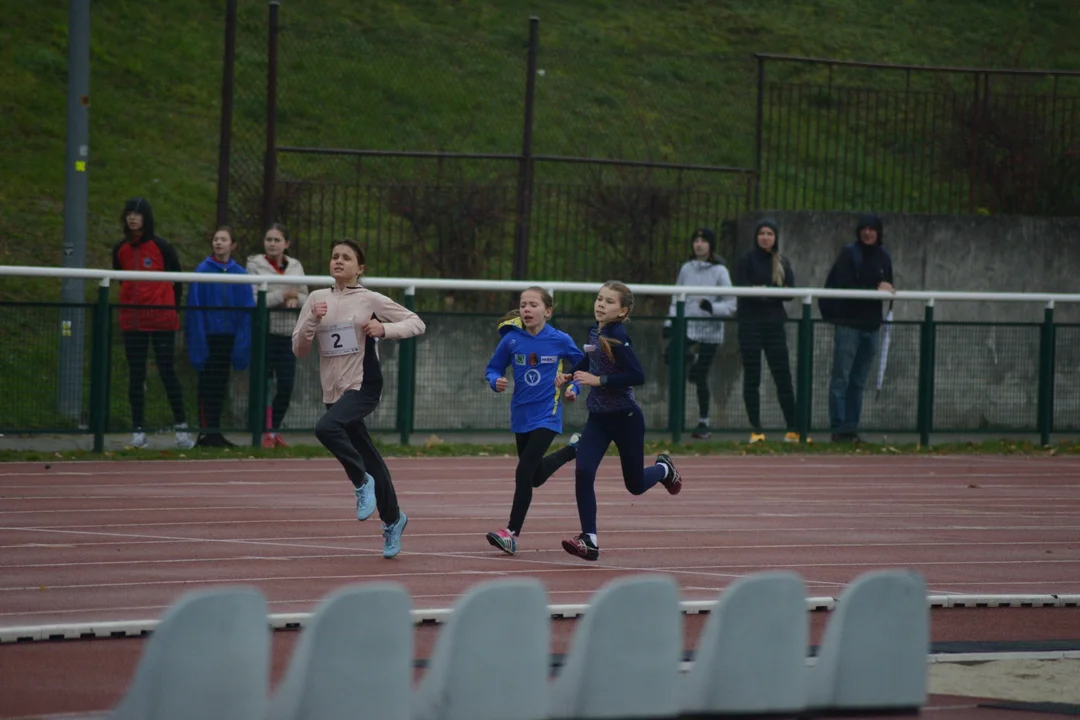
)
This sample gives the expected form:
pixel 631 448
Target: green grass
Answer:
pixel 651 79
pixel 440 448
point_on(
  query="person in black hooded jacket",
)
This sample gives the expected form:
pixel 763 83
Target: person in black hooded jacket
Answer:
pixel 762 327
pixel 862 265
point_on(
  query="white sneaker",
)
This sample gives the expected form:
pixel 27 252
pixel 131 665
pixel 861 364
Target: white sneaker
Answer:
pixel 138 440
pixel 183 437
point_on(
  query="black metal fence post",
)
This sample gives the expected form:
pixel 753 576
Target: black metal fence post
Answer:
pixel 270 159
pixel 225 143
pixel 758 130
pixel 525 172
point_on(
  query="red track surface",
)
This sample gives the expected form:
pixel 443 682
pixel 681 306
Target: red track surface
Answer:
pixel 121 541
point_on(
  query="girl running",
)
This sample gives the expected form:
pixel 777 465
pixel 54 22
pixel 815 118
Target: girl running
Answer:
pixel 536 351
pixel 614 415
pixel 280 300
pixel 348 321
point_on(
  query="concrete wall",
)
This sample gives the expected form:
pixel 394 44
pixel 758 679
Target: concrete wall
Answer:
pixel 944 252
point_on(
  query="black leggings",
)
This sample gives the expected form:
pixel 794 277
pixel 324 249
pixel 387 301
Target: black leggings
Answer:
pixel 342 431
pixel 214 381
pixel 699 375
pixel 281 365
pixel 533 470
pixel 755 337
pixel 136 350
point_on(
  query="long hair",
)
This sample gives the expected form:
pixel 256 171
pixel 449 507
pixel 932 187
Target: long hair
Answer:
pixel 778 275
pixel 545 297
pixel 626 301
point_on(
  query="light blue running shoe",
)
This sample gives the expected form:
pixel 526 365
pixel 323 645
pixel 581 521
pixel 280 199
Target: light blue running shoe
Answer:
pixel 365 499
pixel 392 536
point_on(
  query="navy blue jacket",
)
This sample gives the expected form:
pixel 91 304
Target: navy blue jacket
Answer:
pixel 617 377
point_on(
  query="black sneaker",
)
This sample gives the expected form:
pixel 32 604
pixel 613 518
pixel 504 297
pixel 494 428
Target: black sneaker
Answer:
pixel 701 432
pixel 673 482
pixel 581 546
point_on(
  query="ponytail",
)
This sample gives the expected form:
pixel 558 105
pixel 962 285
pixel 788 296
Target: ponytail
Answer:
pixel 605 345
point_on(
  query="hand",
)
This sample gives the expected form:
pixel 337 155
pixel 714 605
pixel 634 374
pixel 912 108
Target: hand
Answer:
pixel 374 328
pixel 571 396
pixel 887 287
pixel 587 378
pixel 705 305
pixel 289 295
pixel 500 384
pixel 292 303
pixel 320 309
pixel 666 332
pixel 562 378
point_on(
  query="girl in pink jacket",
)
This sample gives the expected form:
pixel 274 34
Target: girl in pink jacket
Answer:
pixel 347 321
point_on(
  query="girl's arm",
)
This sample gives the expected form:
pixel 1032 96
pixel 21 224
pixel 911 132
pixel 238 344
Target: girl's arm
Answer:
pixel 398 321
pixel 301 290
pixel 629 371
pixel 498 363
pixel 275 294
pixel 724 306
pixel 304 332
pixel 195 327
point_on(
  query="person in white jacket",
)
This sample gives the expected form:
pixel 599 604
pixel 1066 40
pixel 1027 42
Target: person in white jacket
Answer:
pixel 704 268
pixel 348 321
pixel 283 302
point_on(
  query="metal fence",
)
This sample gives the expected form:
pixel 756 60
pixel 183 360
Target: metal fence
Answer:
pixel 491 120
pixel 838 135
pixel 935 377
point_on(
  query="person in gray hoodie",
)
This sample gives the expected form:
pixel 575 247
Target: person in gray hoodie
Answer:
pixel 704 268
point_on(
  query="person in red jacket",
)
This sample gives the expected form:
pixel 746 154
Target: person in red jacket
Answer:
pixel 148 316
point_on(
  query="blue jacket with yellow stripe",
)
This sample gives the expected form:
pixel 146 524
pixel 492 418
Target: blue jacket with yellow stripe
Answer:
pixel 536 359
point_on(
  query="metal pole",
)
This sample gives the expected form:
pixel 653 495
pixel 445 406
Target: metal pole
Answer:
pixel 804 379
pixel 677 371
pixel 525 171
pixel 759 130
pixel 72 327
pixel 270 161
pixel 225 143
pixel 99 367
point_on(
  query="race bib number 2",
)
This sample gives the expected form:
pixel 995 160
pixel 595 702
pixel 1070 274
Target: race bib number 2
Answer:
pixel 338 339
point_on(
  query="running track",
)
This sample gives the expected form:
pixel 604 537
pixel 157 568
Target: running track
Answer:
pixel 91 542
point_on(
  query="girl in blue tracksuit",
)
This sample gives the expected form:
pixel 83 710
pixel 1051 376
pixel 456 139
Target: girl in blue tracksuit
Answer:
pixel 611 369
pixel 537 353
pixel 217 339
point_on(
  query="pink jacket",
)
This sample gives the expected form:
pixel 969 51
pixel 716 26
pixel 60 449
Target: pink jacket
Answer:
pixel 339 335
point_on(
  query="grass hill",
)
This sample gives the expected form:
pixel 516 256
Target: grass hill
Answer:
pixel 430 74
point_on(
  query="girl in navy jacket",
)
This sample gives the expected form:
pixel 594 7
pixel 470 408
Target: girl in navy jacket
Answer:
pixel 537 352
pixel 217 339
pixel 611 369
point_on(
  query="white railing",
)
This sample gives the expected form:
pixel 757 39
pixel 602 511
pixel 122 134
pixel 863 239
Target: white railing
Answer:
pixel 411 285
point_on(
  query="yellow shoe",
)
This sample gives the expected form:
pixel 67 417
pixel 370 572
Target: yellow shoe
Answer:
pixel 757 437
pixel 793 437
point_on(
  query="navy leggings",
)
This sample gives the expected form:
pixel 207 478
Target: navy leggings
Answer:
pixel 625 428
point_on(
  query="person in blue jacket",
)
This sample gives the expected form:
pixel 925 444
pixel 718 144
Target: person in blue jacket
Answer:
pixel 538 354
pixel 218 338
pixel 611 368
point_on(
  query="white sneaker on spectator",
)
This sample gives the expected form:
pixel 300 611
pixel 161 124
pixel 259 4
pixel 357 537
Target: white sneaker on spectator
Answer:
pixel 183 437
pixel 138 440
